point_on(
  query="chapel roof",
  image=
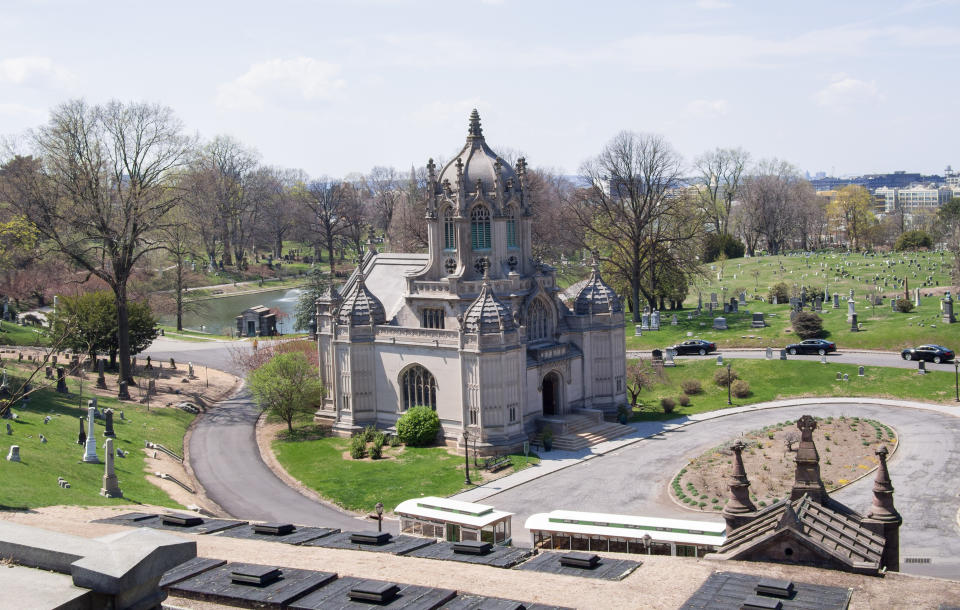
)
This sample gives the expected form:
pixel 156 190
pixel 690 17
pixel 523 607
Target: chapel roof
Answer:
pixel 360 307
pixel 477 161
pixel 487 314
pixel 596 296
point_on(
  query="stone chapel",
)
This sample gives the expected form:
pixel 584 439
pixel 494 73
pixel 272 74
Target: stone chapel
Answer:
pixel 475 328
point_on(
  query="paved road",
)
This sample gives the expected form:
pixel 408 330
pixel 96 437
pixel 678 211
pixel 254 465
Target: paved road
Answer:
pixel 225 458
pixel 634 479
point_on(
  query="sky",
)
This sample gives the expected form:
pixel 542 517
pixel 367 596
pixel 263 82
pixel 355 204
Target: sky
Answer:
pixel 337 87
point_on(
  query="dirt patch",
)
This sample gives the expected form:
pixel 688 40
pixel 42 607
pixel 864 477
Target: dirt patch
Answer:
pixel 846 446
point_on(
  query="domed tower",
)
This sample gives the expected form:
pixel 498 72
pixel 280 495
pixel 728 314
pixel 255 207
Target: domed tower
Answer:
pixel 478 213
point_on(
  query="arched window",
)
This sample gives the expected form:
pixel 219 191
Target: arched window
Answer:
pixel 418 387
pixel 480 228
pixel 512 227
pixel 538 321
pixel 449 230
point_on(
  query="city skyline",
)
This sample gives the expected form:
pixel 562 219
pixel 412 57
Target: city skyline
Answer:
pixel 340 87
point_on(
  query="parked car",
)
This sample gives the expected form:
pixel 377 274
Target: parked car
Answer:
pixel 812 346
pixel 694 346
pixel 930 353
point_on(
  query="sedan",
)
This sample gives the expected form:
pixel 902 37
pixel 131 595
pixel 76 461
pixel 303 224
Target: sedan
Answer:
pixel 812 346
pixel 930 353
pixel 694 346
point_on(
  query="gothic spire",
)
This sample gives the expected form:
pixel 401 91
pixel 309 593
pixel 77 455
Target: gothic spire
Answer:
pixel 475 132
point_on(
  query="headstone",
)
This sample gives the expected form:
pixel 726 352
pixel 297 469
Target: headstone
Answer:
pixel 758 321
pixel 173 364
pixel 836 301
pixel 854 327
pixel 657 355
pixel 645 321
pixel 713 298
pixel 82 437
pixel 9 429
pixel 860 372
pixel 720 360
pixel 817 303
pixel 726 308
pixel 742 298
pixel 46 420
pixel 839 376
pixel 49 372
pixel 769 353
pixel 922 367
pixel 61 381
pixel 851 293
pixel 673 320
pixel 90 448
pixel 149 365
pixel 775 300
pixel 734 306
pixel 43 439
pixel 111 487
pixel 122 392
pixel 947 308
pixel 851 309
pixel 152 386
pixel 893 304
pixel 190 364
pixel 14 454
pixel 823 359
pixel 637 332
pixel 720 323
pixel 108 426
pixel 101 380
pixel 655 320
pixel 846 377
pixel 783 354
pixel 669 353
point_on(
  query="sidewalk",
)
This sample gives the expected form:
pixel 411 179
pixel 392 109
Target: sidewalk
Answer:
pixel 554 461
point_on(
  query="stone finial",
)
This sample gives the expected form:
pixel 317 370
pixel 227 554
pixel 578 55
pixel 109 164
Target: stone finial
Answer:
pixel 739 484
pixel 431 170
pixel 883 508
pixel 475 132
pixel 807 474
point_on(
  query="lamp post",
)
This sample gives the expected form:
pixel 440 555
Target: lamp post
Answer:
pixel 379 509
pixel 466 456
pixel 729 402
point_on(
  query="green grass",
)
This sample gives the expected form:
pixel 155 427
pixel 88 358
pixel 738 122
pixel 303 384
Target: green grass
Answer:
pixel 33 482
pixel 13 334
pixel 778 379
pixel 194 336
pixel 882 328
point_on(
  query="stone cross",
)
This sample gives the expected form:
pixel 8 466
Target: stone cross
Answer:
pixel 90 453
pixel 14 454
pixel 111 487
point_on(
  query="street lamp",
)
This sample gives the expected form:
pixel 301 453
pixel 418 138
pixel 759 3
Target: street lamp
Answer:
pixel 379 509
pixel 466 455
pixel 729 402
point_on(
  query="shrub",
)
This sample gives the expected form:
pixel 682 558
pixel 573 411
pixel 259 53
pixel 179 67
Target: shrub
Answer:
pixel 418 427
pixel 720 376
pixel 691 386
pixel 904 305
pixel 913 240
pixel 740 388
pixel 394 440
pixel 808 325
pixel 668 405
pixel 781 291
pixel 376 450
pixel 683 400
pixel 358 447
pixel 715 245
pixel 369 433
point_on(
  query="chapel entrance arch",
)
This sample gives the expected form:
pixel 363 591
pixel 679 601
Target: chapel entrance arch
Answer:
pixel 551 394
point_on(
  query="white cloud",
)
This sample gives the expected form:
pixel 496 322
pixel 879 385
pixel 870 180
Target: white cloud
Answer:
pixel 33 71
pixel 713 4
pixel 708 109
pixel 281 80
pixel 15 110
pixel 446 111
pixel 845 92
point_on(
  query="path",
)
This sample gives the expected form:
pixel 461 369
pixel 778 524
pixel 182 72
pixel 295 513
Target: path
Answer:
pixel 633 478
pixel 225 458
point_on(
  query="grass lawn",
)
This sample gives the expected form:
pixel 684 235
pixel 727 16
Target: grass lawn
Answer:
pixel 194 336
pixel 777 379
pixel 33 482
pixel 13 334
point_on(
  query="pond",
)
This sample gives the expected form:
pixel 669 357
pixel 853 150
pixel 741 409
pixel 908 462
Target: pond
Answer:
pixel 218 316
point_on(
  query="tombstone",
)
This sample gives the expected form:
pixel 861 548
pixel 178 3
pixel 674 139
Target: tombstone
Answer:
pixel 720 323
pixel 9 429
pixel 14 454
pixel 90 448
pixel 803 296
pixel 669 353
pixel 713 298
pixel 43 439
pixel 637 332
pixel 726 308
pixel 893 303
pixel 846 377
pixel 916 297
pixel 742 298
pixel 854 327
pixel 122 418
pixel 823 359
pixel 108 425
pixel 922 367
pixel 149 365
pixel 851 293
pixel 839 376
pixel 673 320
pixel 655 320
pixel 173 364
pixel 734 306
pixel 860 372
pixel 851 309
pixel 758 321
pixel 769 353
pixel 817 303
pixel 190 364
pixel 836 301
pixel 101 380
pixel 122 392
pixel 645 321
pixel 49 372
pixel 947 308
pixel 657 355
pixel 74 365
pixel 61 381
pixel 775 300
pixel 151 386
pixel 111 487
pixel 720 360
pixel 46 420
pixel 82 437
pixel 783 354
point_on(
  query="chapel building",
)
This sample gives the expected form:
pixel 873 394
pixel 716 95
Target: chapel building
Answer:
pixel 475 328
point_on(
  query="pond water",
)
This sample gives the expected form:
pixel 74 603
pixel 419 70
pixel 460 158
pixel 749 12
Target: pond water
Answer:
pixel 217 316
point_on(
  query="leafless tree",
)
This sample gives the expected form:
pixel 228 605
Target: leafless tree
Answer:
pixel 769 199
pixel 384 187
pixel 791 439
pixel 721 173
pixel 326 202
pixel 282 195
pixel 354 211
pixel 101 186
pixel 235 188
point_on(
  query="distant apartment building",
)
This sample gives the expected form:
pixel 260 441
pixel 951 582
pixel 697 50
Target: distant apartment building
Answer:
pixel 952 179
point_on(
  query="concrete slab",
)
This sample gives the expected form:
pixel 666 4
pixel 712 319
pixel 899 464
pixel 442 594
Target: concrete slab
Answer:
pixel 43 590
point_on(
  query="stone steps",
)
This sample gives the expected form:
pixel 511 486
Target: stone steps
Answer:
pixel 586 437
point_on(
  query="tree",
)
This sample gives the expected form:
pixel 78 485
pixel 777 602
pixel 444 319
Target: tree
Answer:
pixel 234 185
pixel 177 239
pixel 91 320
pixel 278 209
pixel 99 189
pixel 715 244
pixel 807 325
pixel 286 386
pixel 852 211
pixel 913 240
pixel 306 310
pixel 790 439
pixel 408 231
pixel 383 184
pixel 719 183
pixel 769 205
pixel 325 201
pixel 418 427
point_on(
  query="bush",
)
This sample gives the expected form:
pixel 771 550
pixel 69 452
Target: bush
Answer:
pixel 720 376
pixel 781 291
pixel 369 433
pixel 394 440
pixel 715 245
pixel 808 325
pixel 418 427
pixel 376 450
pixel 913 240
pixel 683 400
pixel 740 388
pixel 358 447
pixel 668 405
pixel 904 305
pixel 691 386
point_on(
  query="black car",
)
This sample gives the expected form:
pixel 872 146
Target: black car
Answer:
pixel 812 346
pixel 930 353
pixel 694 346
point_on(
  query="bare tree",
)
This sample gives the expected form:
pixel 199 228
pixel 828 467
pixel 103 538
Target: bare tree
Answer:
pixel 325 201
pixel 281 196
pixel 720 182
pixel 230 169
pixel 101 187
pixel 355 225
pixel 791 439
pixel 383 184
pixel 769 199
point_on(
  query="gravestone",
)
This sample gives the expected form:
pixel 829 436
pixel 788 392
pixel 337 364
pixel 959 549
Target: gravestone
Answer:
pixel 758 321
pixel 775 300
pixel 851 293
pixel 108 426
pixel 656 355
pixel 783 354
pixel 14 454
pixel 922 367
pixel 49 372
pixel 655 320
pixel 90 449
pixel 43 439
pixel 111 487
pixel 122 392
pixel 742 298
pixel 823 359
pixel 947 308
pixel 839 376
pixel 846 377
pixel 734 306
pixel 769 353
pixel 645 321
pixel 669 353
pixel 101 380
pixel 860 372
pixel 854 327
pixel 61 381
pixel 836 301
pixel 817 303
pixel 149 365
pixel 713 298
pixel 720 323
pixel 893 304
pixel 637 332
pixel 152 385
pixel 82 437
pixel 673 320
pixel 720 360
pixel 190 364
pixel 726 308
pixel 851 309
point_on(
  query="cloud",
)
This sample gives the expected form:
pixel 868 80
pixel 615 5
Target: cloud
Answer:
pixel 281 81
pixel 445 111
pixel 709 109
pixel 21 111
pixel 713 4
pixel 33 72
pixel 845 92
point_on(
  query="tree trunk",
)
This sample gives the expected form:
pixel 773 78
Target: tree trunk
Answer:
pixel 278 247
pixel 330 255
pixel 179 295
pixel 290 425
pixel 123 338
